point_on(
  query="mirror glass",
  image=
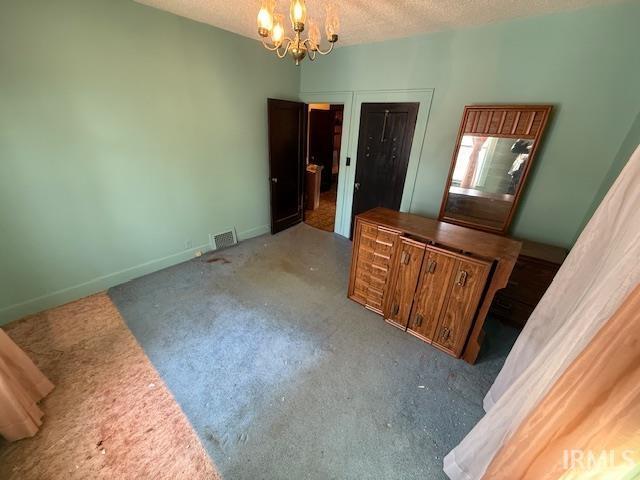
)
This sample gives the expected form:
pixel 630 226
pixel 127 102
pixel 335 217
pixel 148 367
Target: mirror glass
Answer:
pixel 485 180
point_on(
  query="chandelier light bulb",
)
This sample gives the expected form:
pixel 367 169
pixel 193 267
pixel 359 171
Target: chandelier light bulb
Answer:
pixel 265 22
pixel 332 23
pixel 298 14
pixel 314 35
pixel 277 33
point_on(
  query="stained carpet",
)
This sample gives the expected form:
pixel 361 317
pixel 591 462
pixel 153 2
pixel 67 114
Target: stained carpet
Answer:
pixel 110 415
pixel 283 377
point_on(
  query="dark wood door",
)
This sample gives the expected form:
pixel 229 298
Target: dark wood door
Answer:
pixel 384 146
pixel 321 143
pixel 287 127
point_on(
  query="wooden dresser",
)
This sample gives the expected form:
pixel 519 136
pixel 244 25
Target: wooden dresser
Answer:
pixel 432 279
pixel 532 274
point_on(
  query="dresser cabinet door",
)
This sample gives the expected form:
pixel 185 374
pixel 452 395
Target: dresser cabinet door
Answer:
pixel 431 295
pixel 406 271
pixel 466 286
pixel 373 252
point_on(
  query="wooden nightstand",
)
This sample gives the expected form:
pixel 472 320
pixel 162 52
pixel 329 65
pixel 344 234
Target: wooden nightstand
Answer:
pixel 534 271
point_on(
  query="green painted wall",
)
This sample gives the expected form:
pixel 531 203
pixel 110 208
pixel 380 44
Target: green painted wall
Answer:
pixel 586 62
pixel 124 132
pixel 629 145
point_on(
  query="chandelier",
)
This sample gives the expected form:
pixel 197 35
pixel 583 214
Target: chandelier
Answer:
pixel 271 25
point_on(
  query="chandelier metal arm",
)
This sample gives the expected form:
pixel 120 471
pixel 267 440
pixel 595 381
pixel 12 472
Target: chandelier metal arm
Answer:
pixel 276 48
pixel 328 51
pixel 271 48
pixel 313 50
pixel 286 49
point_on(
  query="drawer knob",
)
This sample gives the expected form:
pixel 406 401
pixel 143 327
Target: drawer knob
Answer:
pixel 446 333
pixel 432 266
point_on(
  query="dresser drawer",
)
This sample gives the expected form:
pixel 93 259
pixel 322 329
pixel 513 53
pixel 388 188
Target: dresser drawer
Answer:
pixel 510 310
pixel 529 280
pixel 531 271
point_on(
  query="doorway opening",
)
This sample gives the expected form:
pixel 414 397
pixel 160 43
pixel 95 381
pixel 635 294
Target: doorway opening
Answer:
pixel 324 136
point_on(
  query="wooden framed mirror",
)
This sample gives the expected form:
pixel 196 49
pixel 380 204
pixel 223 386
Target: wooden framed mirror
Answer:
pixel 494 151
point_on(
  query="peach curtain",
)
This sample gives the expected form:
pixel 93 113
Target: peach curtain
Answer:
pixel 602 269
pixel 588 425
pixel 21 386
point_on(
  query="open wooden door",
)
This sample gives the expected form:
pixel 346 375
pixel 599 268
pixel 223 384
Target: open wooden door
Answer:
pixel 287 142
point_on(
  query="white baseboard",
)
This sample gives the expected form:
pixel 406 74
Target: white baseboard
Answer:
pixel 69 294
pixel 254 232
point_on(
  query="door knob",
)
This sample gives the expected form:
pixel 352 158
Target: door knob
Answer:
pixel 274 179
pixel 356 186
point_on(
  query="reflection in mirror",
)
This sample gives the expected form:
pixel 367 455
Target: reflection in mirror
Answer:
pixel 485 179
pixel 494 151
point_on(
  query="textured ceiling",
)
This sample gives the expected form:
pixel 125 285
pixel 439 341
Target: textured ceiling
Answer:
pixel 363 21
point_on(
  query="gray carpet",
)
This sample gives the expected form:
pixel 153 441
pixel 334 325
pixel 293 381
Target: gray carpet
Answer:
pixel 283 377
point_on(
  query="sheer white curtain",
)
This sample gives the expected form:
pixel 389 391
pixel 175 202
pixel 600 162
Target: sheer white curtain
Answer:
pixel 601 270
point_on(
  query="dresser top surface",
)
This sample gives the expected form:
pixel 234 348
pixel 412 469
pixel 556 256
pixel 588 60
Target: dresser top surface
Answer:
pixel 466 239
pixel 541 251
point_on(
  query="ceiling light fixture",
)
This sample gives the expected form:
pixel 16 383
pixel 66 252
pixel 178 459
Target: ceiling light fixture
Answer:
pixel 271 25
